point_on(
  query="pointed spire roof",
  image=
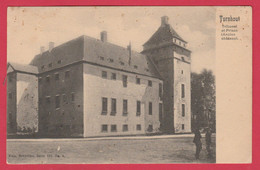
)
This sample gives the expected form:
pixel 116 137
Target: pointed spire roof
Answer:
pixel 164 33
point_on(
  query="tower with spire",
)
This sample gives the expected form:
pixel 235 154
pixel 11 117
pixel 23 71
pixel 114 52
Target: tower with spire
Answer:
pixel 169 52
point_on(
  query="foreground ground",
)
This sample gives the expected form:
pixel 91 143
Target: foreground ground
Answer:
pixel 169 149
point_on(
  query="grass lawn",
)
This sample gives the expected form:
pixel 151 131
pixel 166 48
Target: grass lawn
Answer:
pixel 168 150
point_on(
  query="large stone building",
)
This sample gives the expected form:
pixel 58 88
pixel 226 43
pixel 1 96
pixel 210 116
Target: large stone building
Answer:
pixel 89 87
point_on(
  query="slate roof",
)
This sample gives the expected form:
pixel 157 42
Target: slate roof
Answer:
pixel 23 68
pixel 164 33
pixel 94 51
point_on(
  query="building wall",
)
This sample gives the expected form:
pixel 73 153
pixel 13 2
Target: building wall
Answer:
pixel 11 103
pixel 168 60
pixel 163 59
pixel 96 87
pixel 67 118
pixel 27 103
pixel 182 123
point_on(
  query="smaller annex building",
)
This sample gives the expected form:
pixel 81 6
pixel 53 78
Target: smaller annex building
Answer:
pixel 22 98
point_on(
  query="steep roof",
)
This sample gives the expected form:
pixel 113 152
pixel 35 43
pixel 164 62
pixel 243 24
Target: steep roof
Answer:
pixel 23 68
pixel 97 52
pixel 164 33
pixel 117 57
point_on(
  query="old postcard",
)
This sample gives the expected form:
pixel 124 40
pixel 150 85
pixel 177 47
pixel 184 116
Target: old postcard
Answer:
pixel 129 85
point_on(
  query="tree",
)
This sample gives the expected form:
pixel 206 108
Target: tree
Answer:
pixel 203 100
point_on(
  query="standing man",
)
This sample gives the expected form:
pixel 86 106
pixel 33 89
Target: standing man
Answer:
pixel 208 142
pixel 197 142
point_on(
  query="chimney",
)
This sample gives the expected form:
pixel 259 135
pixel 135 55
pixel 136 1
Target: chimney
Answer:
pixel 103 36
pixel 42 49
pixel 129 48
pixel 164 21
pixel 51 45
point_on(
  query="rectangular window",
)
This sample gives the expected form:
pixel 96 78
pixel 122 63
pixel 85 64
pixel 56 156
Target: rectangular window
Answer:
pixel 138 108
pixel 124 80
pixel 64 96
pixel 138 127
pixel 182 91
pixel 125 128
pixel 48 79
pixel 104 106
pixel 113 76
pixel 182 126
pixel 67 74
pixel 40 101
pixel 72 97
pixel 150 108
pixel 181 71
pixel 113 106
pixel 111 60
pixel 57 102
pixel 48 99
pixel 50 65
pixel 160 90
pixel 135 66
pixel 11 120
pixel 124 107
pixel 150 83
pixel 103 128
pixel 104 74
pixel 113 128
pixel 160 112
pixel 10 79
pixel 10 95
pixel 59 61
pixel 150 128
pixel 183 110
pixel 40 80
pixel 57 76
pixel 43 67
pixel 138 80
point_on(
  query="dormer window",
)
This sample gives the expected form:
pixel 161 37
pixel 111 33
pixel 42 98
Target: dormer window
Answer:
pixel 111 60
pixel 43 66
pixel 135 66
pixel 122 63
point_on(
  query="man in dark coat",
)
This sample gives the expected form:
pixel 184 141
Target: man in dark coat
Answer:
pixel 208 142
pixel 197 142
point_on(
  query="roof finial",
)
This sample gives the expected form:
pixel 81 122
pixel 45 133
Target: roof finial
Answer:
pixel 129 48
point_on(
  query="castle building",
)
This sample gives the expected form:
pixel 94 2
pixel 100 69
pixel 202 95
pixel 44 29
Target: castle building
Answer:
pixel 88 87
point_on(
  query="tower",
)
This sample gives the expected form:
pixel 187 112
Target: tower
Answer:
pixel 169 53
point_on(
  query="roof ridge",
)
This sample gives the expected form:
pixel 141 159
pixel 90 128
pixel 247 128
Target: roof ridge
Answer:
pixel 110 43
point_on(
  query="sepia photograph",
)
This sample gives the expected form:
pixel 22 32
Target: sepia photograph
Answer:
pixel 111 85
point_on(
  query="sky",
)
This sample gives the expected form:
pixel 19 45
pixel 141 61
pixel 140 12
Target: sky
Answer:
pixel 29 28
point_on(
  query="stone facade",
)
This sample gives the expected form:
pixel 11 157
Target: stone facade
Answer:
pixel 97 87
pixel 61 101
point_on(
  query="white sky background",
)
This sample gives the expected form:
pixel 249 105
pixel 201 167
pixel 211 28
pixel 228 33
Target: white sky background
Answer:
pixel 32 27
